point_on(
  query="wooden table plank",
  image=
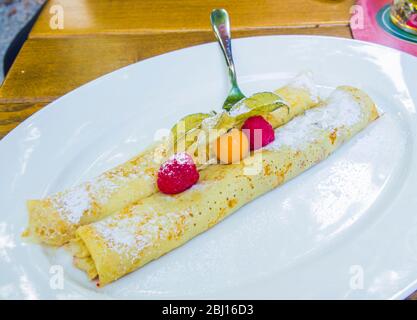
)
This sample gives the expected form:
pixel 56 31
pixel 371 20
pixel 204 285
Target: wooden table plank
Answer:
pixel 14 113
pixel 87 17
pixel 48 68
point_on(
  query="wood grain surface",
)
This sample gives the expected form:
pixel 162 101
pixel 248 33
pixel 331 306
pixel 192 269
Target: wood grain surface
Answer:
pixel 86 17
pixel 69 63
pixel 12 114
pixel 100 36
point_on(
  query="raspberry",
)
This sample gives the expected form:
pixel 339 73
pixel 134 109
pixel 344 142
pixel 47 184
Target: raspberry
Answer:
pixel 255 126
pixel 177 174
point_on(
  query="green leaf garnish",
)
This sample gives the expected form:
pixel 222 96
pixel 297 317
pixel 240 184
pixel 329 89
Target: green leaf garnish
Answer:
pixel 188 123
pixel 190 132
pixel 261 99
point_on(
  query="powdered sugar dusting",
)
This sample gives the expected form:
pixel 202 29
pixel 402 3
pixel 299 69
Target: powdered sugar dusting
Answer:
pixel 101 189
pixel 130 235
pixel 340 110
pixel 239 109
pixel 182 158
pixel 121 234
pixel 210 122
pixel 73 203
pixel 305 81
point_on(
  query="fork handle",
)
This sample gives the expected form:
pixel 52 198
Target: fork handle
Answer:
pixel 221 27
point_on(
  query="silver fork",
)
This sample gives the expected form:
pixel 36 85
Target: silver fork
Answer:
pixel 221 27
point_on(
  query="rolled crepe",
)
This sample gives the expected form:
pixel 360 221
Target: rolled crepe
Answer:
pixel 156 225
pixel 53 220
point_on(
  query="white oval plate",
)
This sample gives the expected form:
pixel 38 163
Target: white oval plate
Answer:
pixel 346 228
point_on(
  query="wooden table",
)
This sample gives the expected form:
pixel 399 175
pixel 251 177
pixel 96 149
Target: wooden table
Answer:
pixel 100 36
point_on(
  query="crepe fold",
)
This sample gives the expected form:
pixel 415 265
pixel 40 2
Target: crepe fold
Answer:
pixel 53 220
pixel 156 225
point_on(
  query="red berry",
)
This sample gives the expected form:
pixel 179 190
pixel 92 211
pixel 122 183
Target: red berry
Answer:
pixel 177 174
pixel 259 132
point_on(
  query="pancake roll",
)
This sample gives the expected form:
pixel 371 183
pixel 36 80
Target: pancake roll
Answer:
pixel 54 219
pixel 153 226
